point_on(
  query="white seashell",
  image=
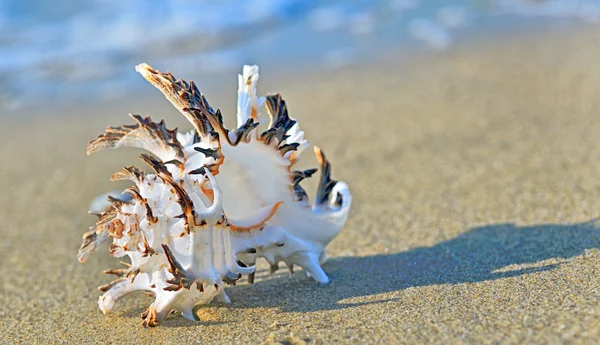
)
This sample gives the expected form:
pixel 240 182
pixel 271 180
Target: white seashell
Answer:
pixel 217 201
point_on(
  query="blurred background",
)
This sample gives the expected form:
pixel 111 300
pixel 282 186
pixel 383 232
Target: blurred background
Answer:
pixel 73 50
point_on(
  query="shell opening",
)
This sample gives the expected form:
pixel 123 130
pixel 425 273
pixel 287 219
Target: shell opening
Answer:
pixel 252 176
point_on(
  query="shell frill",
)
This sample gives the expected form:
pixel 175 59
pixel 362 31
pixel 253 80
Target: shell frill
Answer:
pixel 215 201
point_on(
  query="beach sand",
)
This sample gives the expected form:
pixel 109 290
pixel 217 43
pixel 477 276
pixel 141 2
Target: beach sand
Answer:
pixel 475 175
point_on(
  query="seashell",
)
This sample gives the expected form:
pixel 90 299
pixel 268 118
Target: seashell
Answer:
pixel 215 201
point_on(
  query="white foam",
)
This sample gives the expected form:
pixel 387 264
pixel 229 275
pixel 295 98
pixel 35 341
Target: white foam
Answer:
pixel 430 32
pixel 588 10
pixel 453 16
pixel 327 18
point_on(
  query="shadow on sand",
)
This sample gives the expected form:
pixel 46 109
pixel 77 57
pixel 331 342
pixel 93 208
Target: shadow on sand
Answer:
pixel 473 256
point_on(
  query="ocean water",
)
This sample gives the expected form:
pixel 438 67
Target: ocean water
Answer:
pixel 72 50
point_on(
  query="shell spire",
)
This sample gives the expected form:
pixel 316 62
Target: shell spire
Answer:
pixel 218 200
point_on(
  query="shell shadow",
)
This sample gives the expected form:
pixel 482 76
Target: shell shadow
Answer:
pixel 481 254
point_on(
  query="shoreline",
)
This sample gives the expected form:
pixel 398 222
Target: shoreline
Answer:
pixel 354 53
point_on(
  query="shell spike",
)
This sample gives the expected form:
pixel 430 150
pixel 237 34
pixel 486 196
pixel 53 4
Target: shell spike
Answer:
pixel 310 263
pixel 214 210
pixel 189 314
pixel 326 184
pixel 222 297
pixel 277 110
pixel 248 104
pixel 91 241
pixel 181 277
pixel 121 288
pixel 341 200
pixel 185 97
pixel 151 136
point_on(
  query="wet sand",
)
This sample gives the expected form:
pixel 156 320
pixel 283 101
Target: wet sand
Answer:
pixel 476 180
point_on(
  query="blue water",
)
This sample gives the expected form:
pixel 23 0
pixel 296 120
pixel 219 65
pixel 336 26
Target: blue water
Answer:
pixel 66 50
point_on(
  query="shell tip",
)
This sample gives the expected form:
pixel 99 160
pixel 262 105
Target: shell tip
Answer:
pixel 319 154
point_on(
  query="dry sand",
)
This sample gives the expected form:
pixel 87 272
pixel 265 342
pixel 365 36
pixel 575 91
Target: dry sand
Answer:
pixel 476 183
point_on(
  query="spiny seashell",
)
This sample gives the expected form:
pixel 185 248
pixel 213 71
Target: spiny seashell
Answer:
pixel 217 200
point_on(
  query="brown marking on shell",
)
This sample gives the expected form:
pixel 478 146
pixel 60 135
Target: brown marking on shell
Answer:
pixel 119 202
pixel 213 168
pixel 133 225
pixel 326 184
pixel 193 105
pixel 129 173
pixel 149 317
pixel 135 193
pixel 242 132
pixel 185 97
pixel 222 220
pixel 297 177
pixel 293 157
pixel 92 239
pixel 253 110
pixel 339 201
pixel 270 134
pixel 183 199
pixel 132 274
pixel 115 228
pixel 181 278
pixel 108 221
pixel 285 148
pixel 211 153
pixel 109 215
pixel 145 134
pixel 258 224
pixel 208 192
pixel 231 278
pixel 149 213
pixel 148 251
pixel 280 120
pixel 200 171
pixel 119 272
pixel 157 165
pixel 114 248
pixel 178 164
pixel 106 287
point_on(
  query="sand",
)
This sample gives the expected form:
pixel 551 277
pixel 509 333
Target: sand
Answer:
pixel 476 183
